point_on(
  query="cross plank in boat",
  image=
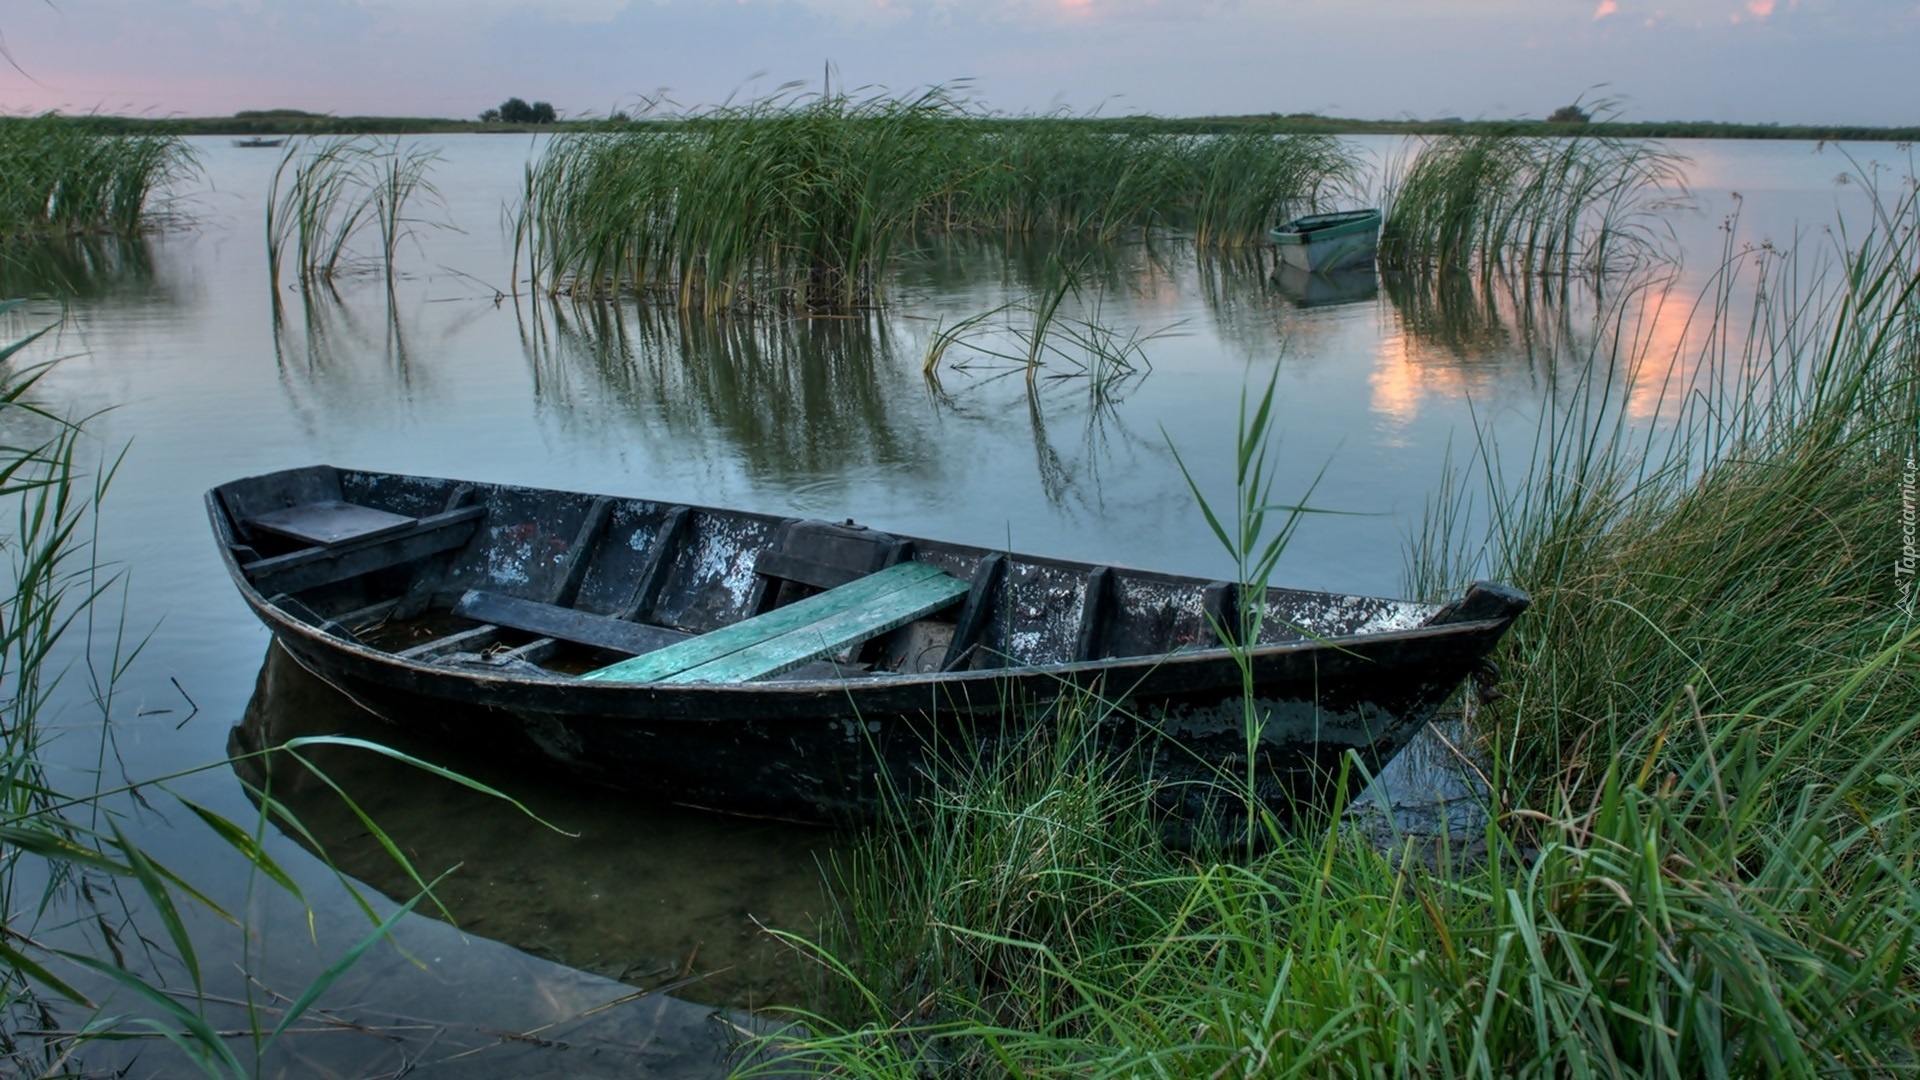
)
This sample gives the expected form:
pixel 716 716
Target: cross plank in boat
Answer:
pixel 868 592
pixel 419 595
pixel 598 515
pixel 829 634
pixel 567 624
pixel 653 572
pixel 472 638
pixel 1093 613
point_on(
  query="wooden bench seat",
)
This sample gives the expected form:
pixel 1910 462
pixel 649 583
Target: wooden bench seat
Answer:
pixel 413 538
pixel 787 637
pixel 565 623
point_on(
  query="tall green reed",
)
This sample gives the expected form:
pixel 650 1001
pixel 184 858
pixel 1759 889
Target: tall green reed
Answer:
pixel 1737 538
pixel 1255 538
pixel 803 201
pixel 327 192
pixel 1527 204
pixel 62 178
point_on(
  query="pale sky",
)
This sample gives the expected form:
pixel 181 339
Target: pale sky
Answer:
pixel 1786 61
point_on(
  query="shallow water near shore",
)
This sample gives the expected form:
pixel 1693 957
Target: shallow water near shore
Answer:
pixel 181 343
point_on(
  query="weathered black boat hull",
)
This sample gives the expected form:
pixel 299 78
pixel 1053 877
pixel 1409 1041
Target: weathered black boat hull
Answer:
pixel 820 753
pixel 823 749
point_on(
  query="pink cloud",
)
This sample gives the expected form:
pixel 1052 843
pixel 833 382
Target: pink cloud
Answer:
pixel 1606 8
pixel 1760 9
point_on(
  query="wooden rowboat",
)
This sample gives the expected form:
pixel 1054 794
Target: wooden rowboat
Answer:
pixel 802 669
pixel 1322 243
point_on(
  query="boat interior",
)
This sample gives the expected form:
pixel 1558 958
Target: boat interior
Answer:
pixel 571 585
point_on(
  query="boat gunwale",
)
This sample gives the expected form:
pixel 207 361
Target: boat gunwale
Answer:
pixel 1331 226
pixel 865 685
pixel 284 623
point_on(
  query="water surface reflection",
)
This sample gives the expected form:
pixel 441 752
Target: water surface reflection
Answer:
pixel 655 896
pixel 796 397
pixel 81 268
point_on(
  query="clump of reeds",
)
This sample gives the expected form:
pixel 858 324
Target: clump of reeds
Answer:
pixel 78 266
pixel 1241 185
pixel 1670 925
pixel 62 178
pixel 1745 539
pixel 1052 175
pixel 803 202
pixel 327 192
pixel 1526 203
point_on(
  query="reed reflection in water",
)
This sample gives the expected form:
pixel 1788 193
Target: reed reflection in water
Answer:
pixel 1500 339
pixel 794 398
pixel 82 268
pixel 652 895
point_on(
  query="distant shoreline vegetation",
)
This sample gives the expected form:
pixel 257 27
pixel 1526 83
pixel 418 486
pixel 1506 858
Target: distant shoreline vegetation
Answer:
pixel 298 122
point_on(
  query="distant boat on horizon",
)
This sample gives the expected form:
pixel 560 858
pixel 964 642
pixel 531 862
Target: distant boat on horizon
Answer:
pixel 256 141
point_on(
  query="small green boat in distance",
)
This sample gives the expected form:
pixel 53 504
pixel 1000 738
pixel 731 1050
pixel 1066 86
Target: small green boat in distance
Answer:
pixel 1319 243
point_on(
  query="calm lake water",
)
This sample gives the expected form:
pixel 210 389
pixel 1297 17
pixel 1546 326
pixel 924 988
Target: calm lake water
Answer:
pixel 177 349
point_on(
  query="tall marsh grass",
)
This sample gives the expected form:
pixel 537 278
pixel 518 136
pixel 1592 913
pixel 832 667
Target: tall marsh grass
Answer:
pixel 328 192
pixel 803 202
pixel 64 178
pixel 1664 928
pixel 1704 858
pixel 1527 204
pixel 751 202
pixel 1746 540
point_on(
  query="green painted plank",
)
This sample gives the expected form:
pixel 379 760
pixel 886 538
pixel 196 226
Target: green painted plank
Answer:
pixel 830 634
pixel 727 640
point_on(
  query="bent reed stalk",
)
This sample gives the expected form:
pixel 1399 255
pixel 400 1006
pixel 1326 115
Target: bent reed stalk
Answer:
pixel 801 202
pixel 1705 860
pixel 327 192
pixel 62 177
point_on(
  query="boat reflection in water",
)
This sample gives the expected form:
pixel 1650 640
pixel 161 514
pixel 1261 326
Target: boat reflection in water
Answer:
pixel 1308 289
pixel 654 896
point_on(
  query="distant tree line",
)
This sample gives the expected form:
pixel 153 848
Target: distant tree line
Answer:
pixel 515 111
